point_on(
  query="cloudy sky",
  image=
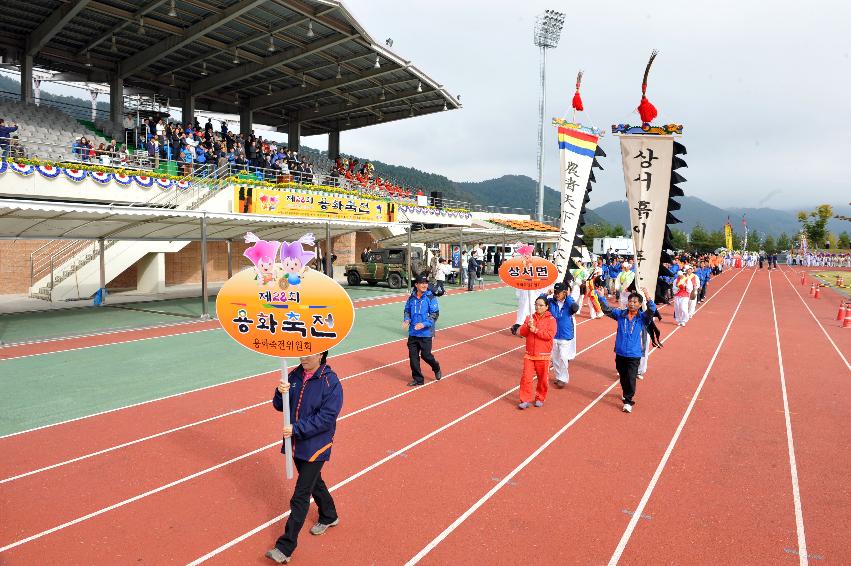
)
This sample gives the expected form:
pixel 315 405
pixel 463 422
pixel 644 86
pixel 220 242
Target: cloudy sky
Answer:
pixel 763 89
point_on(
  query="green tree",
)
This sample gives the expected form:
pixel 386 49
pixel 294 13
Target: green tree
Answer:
pixel 617 230
pixel 814 224
pixel 701 240
pixel 753 242
pixel 783 242
pixel 770 246
pixel 678 239
pixel 844 241
pixel 591 231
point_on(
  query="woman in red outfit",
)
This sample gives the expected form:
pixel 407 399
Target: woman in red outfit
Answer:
pixel 539 330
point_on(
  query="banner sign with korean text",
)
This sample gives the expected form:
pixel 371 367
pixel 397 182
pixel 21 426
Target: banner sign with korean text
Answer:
pixel 281 307
pixel 258 200
pixel 647 175
pixel 577 147
pixel 528 273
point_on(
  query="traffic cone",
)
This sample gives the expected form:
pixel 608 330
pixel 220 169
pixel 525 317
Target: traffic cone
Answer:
pixel 803 279
pixel 816 294
pixel 812 289
pixel 841 314
pixel 847 322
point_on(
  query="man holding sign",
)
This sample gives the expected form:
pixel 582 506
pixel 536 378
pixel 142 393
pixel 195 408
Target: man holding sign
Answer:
pixel 316 398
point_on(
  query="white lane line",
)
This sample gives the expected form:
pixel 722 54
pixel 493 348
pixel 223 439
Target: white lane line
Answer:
pixel 793 467
pixel 272 521
pixel 484 499
pixel 633 521
pixel 826 335
pixel 265 373
pixel 232 460
pixel 215 417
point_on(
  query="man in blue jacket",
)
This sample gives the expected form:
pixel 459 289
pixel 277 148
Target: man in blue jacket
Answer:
pixel 420 316
pixel 5 137
pixel 563 307
pixel 630 340
pixel 316 398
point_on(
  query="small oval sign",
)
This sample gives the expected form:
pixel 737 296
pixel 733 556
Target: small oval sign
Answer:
pixel 284 316
pixel 528 273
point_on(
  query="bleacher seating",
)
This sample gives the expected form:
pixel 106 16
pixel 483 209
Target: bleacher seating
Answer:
pixel 44 131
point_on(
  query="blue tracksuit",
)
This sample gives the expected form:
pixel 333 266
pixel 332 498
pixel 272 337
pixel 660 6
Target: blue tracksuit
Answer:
pixel 563 316
pixel 424 310
pixel 632 334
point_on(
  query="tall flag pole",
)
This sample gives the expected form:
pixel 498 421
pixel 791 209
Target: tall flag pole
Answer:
pixel 650 160
pixel 578 151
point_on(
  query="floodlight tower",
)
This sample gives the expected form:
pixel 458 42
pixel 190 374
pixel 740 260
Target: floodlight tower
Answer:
pixel 547 34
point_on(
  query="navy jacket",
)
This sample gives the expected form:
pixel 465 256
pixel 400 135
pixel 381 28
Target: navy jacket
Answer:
pixel 314 408
pixel 632 334
pixel 424 310
pixel 563 316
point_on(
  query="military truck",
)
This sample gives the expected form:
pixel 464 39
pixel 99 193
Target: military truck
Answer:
pixel 386 265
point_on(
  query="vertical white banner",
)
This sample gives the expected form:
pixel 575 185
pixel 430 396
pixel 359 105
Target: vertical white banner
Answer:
pixel 647 176
pixel 576 149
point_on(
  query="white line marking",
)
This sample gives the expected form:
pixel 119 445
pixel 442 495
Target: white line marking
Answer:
pixel 826 335
pixel 646 497
pixel 464 516
pixel 793 467
pixel 236 459
pixel 213 418
pixel 227 382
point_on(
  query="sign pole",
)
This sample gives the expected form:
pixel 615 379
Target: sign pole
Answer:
pixel 288 442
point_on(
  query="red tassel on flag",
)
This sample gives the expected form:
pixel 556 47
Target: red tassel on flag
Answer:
pixel 577 100
pixel 646 109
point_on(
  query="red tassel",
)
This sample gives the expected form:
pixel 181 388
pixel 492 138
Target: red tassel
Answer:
pixel 577 102
pixel 646 110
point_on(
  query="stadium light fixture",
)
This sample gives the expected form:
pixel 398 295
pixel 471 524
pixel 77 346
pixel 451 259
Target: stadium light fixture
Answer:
pixel 235 56
pixel 269 93
pixel 382 96
pixel 412 111
pixel 444 105
pixel 380 115
pixel 349 103
pixel 339 71
pixel 303 82
pixel 546 35
pixel 310 32
pixel 171 82
pixel 113 47
pixel 348 119
pixel 419 86
pixel 204 68
pixel 377 63
pixel 172 10
pixel 141 30
pixel 88 62
pixel 316 107
pixel 271 48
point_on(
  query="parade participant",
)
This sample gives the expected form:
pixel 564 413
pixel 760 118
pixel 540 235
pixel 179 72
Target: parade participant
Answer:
pixel 683 287
pixel 630 340
pixel 704 273
pixel 622 283
pixel 539 329
pixel 420 317
pixel 562 308
pixel 525 304
pixel 316 398
pixel 692 299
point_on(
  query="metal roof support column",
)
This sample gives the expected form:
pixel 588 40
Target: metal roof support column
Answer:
pixel 188 116
pixel 408 255
pixel 461 266
pixel 116 108
pixel 333 144
pixel 27 79
pixel 329 266
pixel 246 118
pixel 205 308
pixel 102 267
pixel 293 134
pixel 230 258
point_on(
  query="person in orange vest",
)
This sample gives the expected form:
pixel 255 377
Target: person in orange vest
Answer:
pixel 539 329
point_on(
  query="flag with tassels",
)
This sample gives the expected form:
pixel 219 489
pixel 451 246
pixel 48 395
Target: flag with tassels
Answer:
pixel 578 151
pixel 650 160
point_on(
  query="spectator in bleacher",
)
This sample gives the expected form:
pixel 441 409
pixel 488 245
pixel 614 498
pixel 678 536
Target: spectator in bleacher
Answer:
pixel 153 147
pixel 5 136
pixel 16 150
pixel 85 149
pixel 112 149
pixel 129 127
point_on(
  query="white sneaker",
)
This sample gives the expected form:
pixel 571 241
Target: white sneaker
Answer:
pixel 640 376
pixel 627 408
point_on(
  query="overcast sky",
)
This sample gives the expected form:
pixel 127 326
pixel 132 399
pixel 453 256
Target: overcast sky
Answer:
pixel 763 90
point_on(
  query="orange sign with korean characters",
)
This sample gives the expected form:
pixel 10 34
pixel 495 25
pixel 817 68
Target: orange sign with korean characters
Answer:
pixel 282 307
pixel 528 272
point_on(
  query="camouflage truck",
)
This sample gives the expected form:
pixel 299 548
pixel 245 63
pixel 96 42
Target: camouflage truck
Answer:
pixel 384 266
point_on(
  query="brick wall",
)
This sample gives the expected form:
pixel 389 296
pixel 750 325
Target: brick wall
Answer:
pixel 185 266
pixel 15 265
pixel 127 279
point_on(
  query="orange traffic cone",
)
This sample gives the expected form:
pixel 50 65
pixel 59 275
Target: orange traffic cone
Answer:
pixel 841 282
pixel 803 279
pixel 816 294
pixel 841 314
pixel 812 289
pixel 847 322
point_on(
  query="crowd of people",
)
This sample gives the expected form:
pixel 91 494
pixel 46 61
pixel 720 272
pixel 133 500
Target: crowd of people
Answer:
pixel 820 259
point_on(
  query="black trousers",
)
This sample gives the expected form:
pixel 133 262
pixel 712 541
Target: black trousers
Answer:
pixel 309 483
pixel 701 294
pixel 627 370
pixel 420 347
pixel 471 277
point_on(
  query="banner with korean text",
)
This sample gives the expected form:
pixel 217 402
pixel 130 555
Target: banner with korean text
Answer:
pixel 259 200
pixel 647 175
pixel 577 148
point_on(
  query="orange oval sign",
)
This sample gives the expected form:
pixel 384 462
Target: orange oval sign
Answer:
pixel 528 273
pixel 277 318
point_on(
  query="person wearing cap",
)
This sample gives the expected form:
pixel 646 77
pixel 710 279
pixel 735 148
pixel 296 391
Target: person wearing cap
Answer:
pixel 539 328
pixel 683 288
pixel 562 307
pixel 630 340
pixel 420 316
pixel 623 281
pixel 696 285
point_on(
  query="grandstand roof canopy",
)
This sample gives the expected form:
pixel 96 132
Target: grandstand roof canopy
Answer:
pixel 287 60
pixel 469 236
pixel 41 220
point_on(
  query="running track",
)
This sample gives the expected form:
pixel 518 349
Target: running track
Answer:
pixel 736 454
